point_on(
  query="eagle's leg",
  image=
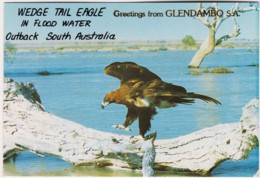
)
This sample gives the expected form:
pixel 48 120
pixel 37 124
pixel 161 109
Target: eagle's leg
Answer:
pixel 145 116
pixel 131 116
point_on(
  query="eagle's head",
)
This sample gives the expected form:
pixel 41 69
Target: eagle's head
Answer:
pixel 107 100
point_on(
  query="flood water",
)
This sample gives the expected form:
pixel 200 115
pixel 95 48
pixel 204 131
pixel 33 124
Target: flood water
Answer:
pixel 77 85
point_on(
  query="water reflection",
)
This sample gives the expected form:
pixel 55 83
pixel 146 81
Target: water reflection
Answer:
pixel 29 164
pixel 207 114
pixel 35 165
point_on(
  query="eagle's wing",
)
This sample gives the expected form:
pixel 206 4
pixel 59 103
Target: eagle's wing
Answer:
pixel 156 88
pixel 163 94
pixel 126 71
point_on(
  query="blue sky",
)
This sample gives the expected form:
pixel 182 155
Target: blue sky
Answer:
pixel 128 28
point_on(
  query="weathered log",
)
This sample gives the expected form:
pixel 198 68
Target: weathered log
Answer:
pixel 26 126
pixel 257 174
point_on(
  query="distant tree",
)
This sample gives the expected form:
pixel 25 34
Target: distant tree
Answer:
pixel 9 49
pixel 188 41
pixel 213 24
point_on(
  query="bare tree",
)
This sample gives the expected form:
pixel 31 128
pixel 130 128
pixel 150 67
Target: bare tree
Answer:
pixel 213 24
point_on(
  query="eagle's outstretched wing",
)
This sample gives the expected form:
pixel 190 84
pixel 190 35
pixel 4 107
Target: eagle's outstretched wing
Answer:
pixel 163 95
pixel 130 71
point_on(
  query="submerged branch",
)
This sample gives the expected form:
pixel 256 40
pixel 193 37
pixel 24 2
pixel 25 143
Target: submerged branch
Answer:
pixel 26 126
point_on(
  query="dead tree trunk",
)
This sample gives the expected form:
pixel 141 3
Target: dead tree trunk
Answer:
pixel 26 126
pixel 206 48
pixel 209 44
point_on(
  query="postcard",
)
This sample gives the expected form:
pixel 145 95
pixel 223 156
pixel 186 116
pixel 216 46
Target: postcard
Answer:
pixel 130 88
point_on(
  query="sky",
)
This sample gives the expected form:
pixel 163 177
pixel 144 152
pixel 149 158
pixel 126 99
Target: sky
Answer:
pixel 128 28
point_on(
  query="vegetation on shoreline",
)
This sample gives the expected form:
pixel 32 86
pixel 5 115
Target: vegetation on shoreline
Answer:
pixel 125 46
pixel 217 70
pixel 9 50
pixel 189 42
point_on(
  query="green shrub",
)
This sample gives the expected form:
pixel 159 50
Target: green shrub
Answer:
pixel 218 70
pixel 221 70
pixel 9 49
pixel 162 48
pixel 188 41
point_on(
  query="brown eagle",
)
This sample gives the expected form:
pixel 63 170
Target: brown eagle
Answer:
pixel 141 91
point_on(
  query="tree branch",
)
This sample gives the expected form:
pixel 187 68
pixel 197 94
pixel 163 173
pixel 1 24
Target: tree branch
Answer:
pixel 218 20
pixel 203 20
pixel 236 32
pixel 246 9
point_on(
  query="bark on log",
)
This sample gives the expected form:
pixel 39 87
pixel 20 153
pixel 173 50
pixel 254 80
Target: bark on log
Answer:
pixel 26 126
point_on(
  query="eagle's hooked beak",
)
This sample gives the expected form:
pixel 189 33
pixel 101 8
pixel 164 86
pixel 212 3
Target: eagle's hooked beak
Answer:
pixel 104 104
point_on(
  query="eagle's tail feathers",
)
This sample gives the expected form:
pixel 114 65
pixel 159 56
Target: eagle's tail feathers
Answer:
pixel 203 97
pixel 179 100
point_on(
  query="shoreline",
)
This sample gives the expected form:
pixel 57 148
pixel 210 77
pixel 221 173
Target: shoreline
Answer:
pixel 124 46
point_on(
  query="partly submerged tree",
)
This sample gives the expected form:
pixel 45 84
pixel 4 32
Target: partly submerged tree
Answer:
pixel 213 24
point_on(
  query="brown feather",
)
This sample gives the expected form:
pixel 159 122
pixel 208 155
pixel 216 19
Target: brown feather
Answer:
pixel 126 71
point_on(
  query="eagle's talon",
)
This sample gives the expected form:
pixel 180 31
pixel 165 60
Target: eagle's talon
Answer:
pixel 118 126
